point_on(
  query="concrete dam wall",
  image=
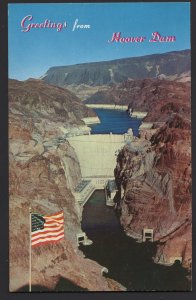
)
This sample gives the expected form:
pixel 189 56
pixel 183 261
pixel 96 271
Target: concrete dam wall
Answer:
pixel 97 153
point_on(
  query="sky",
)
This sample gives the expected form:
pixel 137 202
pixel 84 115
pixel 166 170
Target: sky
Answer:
pixel 33 52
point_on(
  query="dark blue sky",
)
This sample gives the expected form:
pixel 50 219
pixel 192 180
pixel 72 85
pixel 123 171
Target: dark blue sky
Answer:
pixel 32 53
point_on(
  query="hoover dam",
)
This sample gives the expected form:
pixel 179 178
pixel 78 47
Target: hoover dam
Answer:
pixel 97 153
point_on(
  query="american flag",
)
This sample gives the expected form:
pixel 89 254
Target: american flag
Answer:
pixel 46 229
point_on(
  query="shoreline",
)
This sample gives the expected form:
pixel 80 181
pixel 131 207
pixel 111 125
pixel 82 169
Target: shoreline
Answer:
pixel 108 106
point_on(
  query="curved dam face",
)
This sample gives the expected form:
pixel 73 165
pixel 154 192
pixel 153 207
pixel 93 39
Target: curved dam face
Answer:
pixel 97 153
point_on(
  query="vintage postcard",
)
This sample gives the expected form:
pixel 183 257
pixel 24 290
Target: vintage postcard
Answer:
pixel 99 147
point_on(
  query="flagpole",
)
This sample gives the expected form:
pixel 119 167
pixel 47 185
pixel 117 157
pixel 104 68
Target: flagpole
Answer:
pixel 30 249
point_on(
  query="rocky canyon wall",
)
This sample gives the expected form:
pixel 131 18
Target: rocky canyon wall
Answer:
pixel 43 170
pixel 154 176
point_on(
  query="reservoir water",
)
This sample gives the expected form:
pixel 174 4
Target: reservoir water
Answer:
pixel 129 263
pixel 115 121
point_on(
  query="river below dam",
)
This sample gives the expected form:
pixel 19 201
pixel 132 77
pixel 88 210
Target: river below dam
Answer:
pixel 130 263
pixel 115 121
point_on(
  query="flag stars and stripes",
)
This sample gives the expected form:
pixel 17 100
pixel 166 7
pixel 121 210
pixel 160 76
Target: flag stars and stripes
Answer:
pixel 37 222
pixel 46 229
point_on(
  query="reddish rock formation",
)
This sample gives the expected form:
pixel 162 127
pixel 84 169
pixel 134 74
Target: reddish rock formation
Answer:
pixel 43 169
pixel 155 181
pixel 154 172
pixel 42 100
pixel 151 95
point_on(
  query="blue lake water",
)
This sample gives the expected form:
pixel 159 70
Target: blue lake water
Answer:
pixel 115 121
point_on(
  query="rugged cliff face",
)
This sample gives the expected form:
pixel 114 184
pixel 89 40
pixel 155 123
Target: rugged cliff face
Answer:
pixel 154 177
pixel 37 98
pixel 43 169
pixel 149 95
pixel 92 78
pixel 115 71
